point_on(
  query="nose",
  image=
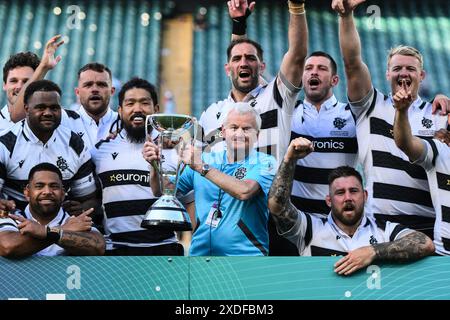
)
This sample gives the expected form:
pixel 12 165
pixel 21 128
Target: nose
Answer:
pixel 46 190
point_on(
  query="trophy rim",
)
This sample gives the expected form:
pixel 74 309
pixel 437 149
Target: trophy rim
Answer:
pixel 152 120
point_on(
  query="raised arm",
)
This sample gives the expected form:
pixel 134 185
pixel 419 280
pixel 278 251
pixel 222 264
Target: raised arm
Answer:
pixel 359 82
pixel 412 146
pixel 280 206
pixel 239 11
pixel 294 59
pixel 48 62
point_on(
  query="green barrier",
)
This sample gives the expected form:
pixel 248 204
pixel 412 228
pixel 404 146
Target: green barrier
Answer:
pixel 218 278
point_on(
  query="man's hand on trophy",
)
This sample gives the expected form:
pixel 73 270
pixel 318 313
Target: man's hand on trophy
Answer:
pixel 191 156
pixel 151 152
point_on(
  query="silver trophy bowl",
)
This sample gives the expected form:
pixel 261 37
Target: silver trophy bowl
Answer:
pixel 167 213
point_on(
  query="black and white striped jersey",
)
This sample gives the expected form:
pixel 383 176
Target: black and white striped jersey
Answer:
pixel 332 130
pixel 315 236
pixel 436 161
pixel 125 179
pixel 275 104
pixel 21 150
pixel 398 190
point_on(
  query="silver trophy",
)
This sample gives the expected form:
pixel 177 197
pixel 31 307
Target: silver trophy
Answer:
pixel 167 212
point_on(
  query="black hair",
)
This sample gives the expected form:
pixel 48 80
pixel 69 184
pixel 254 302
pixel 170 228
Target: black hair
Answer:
pixel 21 59
pixel 259 50
pixel 95 66
pixel 44 166
pixel 140 84
pixel 40 85
pixel 326 55
pixel 344 171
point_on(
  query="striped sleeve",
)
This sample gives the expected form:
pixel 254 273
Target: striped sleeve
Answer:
pixel 83 182
pixel 394 231
pixel 428 158
pixel 301 233
pixel 8 224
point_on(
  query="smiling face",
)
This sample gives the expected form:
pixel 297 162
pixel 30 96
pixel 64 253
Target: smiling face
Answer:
pixel 136 105
pixel 43 112
pixel 15 80
pixel 244 67
pixel 408 68
pixel 45 194
pixel 346 199
pixel 240 132
pixel 318 79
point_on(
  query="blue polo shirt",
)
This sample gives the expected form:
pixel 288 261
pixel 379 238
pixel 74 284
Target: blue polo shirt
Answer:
pixel 242 228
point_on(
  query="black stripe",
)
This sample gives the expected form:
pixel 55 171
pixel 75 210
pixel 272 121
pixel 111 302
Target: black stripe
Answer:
pixel 387 160
pixel 2 115
pixel 446 243
pixel 170 208
pixel 422 105
pixel 330 144
pixel 374 101
pixel 3 171
pixel 409 221
pixel 311 175
pixel 9 141
pixel 5 224
pixel 310 205
pixel 435 150
pixel 308 233
pixel 125 177
pixel 276 94
pixel 381 223
pixel 381 127
pixel 98 144
pixel 269 119
pixel 401 193
pixel 270 150
pixel 443 181
pixel 398 228
pixel 319 251
pixel 142 236
pixel 250 236
pixel 86 169
pixel 76 143
pixel 72 114
pixel 127 208
pixel 445 214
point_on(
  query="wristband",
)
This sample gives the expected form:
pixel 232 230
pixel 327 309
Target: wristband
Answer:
pixel 240 24
pixel 296 7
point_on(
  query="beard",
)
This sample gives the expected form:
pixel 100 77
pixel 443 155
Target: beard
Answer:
pixel 245 88
pixel 135 134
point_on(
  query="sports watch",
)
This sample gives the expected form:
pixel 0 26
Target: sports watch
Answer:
pixel 53 234
pixel 205 169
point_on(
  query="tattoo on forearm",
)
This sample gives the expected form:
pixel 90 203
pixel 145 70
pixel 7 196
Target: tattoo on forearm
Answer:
pixel 411 247
pixel 80 241
pixel 280 193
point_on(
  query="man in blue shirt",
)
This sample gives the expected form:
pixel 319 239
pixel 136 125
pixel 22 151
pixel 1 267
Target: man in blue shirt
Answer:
pixel 230 186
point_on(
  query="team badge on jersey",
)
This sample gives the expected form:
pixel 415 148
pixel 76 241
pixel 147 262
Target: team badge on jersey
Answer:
pixel 372 240
pixel 61 163
pixel 339 123
pixel 427 123
pixel 240 173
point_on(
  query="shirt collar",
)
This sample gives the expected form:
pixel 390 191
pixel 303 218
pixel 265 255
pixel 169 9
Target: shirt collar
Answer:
pixel 57 220
pixel 251 95
pixel 29 135
pixel 363 224
pixel 328 104
pixel 88 119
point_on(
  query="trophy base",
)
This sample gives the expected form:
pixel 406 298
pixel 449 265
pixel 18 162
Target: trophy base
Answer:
pixel 166 225
pixel 167 213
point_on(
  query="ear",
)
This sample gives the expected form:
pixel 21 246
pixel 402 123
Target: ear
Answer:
pixel 26 193
pixel 119 110
pixel 227 69
pixel 156 107
pixel 366 196
pixel 328 200
pixel 223 131
pixel 26 108
pixel 334 80
pixel 388 76
pixel 262 68
pixel 422 75
pixel 77 91
pixel 113 90
pixel 4 86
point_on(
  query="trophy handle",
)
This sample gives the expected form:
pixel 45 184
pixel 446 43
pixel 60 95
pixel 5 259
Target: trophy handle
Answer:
pixel 148 138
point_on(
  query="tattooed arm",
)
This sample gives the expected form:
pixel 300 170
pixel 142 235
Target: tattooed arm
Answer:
pixel 280 206
pixel 83 243
pixel 413 246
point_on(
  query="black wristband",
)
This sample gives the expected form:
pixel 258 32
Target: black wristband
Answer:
pixel 53 234
pixel 240 24
pixel 297 1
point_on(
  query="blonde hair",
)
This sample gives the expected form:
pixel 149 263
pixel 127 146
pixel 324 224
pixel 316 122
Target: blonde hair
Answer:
pixel 405 51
